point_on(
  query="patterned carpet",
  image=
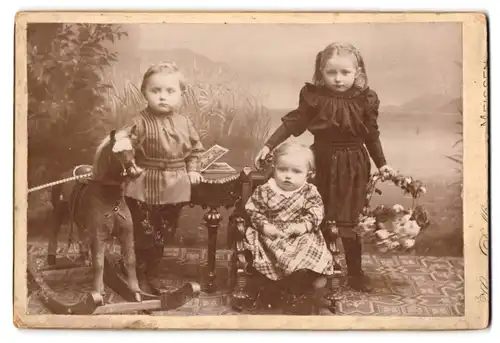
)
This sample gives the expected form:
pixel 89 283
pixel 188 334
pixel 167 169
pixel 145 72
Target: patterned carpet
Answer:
pixel 403 285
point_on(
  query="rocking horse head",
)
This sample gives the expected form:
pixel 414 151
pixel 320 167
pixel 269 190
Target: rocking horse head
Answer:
pixel 115 158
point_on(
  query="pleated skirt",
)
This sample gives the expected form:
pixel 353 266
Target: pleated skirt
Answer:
pixel 342 174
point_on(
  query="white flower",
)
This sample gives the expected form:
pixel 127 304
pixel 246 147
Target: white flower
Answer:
pixel 393 245
pixel 369 221
pixel 382 234
pixel 406 217
pixel 408 243
pixel 398 227
pixel 398 208
pixel 367 224
pixel 411 229
pixel 423 190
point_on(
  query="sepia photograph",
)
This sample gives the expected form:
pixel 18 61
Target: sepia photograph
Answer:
pixel 241 168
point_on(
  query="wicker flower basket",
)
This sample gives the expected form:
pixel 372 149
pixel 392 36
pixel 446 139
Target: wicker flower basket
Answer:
pixel 393 228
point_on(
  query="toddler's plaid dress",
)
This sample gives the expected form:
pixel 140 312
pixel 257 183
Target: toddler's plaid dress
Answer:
pixel 282 256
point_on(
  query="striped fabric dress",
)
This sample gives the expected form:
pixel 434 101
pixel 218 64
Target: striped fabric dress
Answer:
pixel 167 148
pixel 346 135
pixel 281 257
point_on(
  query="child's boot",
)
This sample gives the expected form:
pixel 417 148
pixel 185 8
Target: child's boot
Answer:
pixel 322 305
pixel 141 270
pixel 356 279
pixel 308 294
pixel 153 270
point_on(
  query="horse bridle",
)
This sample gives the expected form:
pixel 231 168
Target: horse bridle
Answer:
pixel 130 168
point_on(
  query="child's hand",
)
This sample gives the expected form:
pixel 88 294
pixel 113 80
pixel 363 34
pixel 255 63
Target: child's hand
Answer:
pixel 272 231
pixel 195 177
pixel 296 229
pixel 261 155
pixel 387 170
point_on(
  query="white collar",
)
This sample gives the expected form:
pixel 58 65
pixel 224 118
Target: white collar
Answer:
pixel 274 186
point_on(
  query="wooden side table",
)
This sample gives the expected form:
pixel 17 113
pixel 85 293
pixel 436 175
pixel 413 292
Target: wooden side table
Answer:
pixel 215 191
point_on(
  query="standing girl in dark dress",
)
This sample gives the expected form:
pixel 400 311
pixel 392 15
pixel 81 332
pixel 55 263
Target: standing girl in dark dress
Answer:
pixel 340 111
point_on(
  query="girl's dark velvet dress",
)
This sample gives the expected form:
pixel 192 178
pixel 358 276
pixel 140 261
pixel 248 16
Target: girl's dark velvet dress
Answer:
pixel 346 135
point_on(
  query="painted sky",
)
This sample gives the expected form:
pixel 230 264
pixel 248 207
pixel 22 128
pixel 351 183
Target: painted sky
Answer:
pixel 404 60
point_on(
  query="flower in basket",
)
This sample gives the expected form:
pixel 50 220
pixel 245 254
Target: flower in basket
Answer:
pixel 383 213
pixel 406 227
pixel 394 227
pixel 383 234
pixel 408 243
pixel 420 216
pixel 416 188
pixel 398 208
pixel 410 186
pixel 388 244
pixel 366 225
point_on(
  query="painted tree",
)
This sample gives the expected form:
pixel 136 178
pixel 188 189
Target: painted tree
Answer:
pixel 67 106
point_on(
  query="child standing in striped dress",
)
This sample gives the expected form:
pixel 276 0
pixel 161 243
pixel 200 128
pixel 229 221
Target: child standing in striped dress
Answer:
pixel 285 215
pixel 168 149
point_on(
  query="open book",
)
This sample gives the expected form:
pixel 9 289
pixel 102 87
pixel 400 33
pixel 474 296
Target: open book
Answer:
pixel 209 162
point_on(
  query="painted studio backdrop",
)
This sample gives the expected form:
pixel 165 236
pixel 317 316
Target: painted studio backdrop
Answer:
pixel 241 80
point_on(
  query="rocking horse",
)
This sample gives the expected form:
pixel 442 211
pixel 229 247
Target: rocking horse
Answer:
pixel 97 207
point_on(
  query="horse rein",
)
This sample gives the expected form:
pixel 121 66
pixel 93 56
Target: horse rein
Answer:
pixel 124 173
pixel 58 182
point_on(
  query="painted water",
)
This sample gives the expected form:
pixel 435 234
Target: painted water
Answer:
pixel 416 144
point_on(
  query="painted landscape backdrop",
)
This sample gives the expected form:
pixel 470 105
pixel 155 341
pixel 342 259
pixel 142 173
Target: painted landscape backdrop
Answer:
pixel 84 80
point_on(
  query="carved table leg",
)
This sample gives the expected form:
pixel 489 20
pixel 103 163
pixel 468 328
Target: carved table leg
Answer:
pixel 212 221
pixel 240 298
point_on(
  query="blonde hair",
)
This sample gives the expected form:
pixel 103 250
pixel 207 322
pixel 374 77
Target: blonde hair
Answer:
pixel 289 148
pixel 361 81
pixel 168 67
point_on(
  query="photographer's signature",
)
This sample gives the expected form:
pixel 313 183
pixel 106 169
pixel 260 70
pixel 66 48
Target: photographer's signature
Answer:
pixel 484 248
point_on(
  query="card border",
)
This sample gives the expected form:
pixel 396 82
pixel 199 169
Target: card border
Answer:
pixel 475 192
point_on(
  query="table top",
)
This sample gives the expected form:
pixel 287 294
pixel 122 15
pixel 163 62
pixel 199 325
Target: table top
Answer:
pixel 219 174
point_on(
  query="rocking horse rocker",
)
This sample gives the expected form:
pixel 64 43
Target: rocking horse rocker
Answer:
pixel 97 207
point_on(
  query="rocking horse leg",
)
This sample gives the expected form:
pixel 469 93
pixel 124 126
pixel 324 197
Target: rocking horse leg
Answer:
pixel 98 251
pixel 141 246
pixel 58 211
pixel 83 245
pixel 57 219
pixel 127 243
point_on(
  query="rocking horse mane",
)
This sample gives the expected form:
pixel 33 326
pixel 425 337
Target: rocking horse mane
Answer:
pixel 99 161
